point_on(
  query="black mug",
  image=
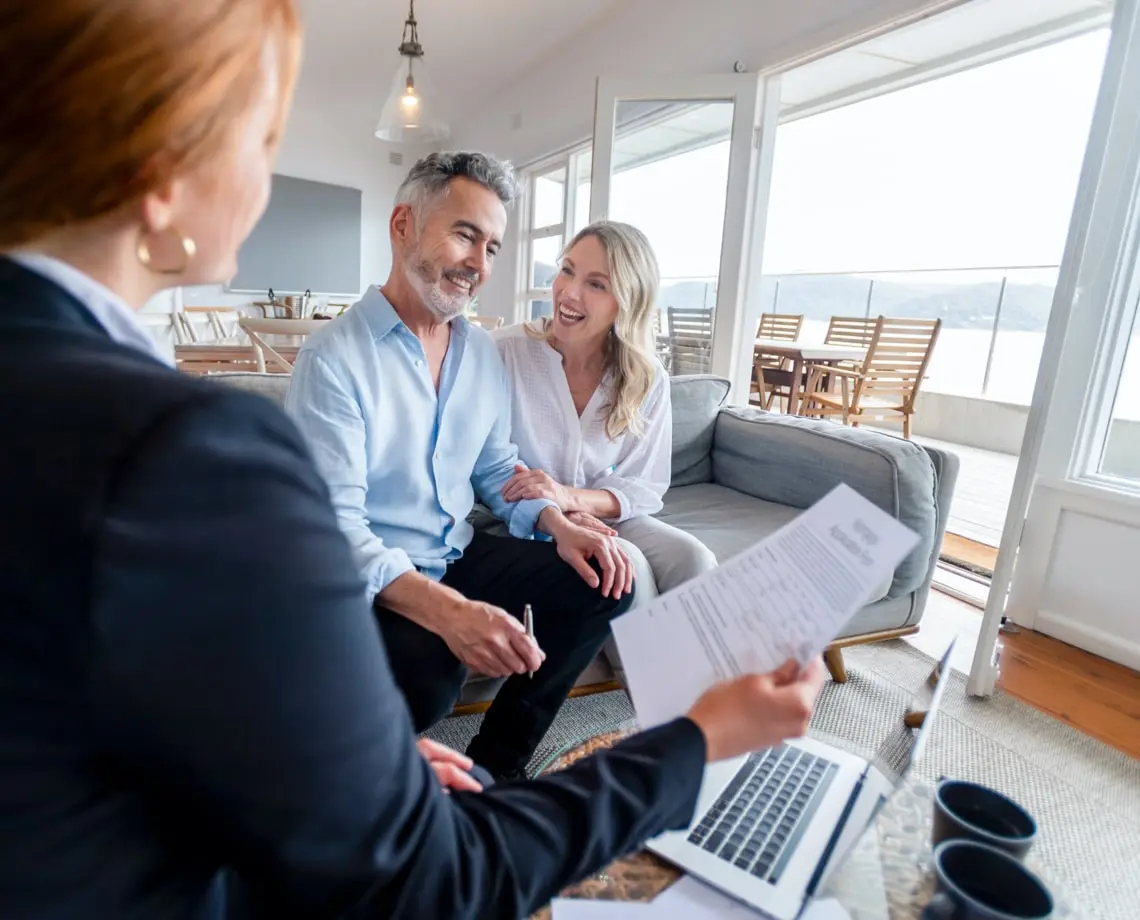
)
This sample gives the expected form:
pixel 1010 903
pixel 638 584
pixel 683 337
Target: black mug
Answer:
pixel 980 882
pixel 970 811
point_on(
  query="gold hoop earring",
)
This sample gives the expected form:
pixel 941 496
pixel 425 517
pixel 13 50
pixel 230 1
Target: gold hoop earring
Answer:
pixel 189 250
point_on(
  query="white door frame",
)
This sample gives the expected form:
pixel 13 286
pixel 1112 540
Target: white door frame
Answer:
pixel 755 110
pixel 1094 302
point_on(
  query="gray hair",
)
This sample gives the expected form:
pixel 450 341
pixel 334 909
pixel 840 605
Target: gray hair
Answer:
pixel 431 177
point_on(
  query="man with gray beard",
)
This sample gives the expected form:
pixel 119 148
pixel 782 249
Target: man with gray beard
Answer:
pixel 405 406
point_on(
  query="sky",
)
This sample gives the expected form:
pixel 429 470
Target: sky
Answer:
pixel 976 169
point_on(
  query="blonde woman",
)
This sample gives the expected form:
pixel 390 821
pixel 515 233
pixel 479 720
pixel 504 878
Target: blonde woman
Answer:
pixel 591 413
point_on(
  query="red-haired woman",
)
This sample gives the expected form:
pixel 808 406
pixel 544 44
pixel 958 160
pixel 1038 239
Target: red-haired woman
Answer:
pixel 197 718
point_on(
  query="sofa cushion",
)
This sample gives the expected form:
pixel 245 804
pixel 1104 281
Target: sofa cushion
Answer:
pixel 796 461
pixel 728 522
pixel 271 386
pixel 696 399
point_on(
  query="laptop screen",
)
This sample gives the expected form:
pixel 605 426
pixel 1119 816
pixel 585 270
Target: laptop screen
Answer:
pixel 899 752
pixel 902 748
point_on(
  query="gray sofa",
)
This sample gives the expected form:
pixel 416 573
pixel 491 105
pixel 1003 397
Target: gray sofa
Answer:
pixel 741 473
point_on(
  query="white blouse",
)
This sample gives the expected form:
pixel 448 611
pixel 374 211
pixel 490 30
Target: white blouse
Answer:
pixel 577 451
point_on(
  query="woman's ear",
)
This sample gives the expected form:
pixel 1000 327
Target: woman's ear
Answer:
pixel 157 207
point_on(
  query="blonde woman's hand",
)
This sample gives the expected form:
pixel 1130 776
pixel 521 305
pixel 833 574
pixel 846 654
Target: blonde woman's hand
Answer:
pixel 588 521
pixel 527 484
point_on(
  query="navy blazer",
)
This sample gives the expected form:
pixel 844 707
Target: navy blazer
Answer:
pixel 197 718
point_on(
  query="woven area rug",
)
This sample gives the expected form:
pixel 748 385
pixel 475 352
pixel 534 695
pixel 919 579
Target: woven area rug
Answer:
pixel 1084 794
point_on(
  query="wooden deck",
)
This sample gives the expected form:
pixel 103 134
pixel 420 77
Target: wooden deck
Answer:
pixel 981 498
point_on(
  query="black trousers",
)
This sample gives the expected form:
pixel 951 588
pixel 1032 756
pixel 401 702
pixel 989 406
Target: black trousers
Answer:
pixel 571 623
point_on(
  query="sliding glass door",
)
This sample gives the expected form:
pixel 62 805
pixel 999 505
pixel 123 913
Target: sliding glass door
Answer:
pixel 1070 543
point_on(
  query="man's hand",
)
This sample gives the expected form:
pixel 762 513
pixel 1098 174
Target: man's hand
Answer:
pixel 758 710
pixel 577 546
pixel 489 640
pixel 527 484
pixel 450 766
pixel 589 522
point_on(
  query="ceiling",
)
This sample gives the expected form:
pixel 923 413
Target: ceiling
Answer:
pixel 350 56
pixel 965 36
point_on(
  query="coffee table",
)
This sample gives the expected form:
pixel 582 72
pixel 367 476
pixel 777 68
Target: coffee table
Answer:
pixel 887 875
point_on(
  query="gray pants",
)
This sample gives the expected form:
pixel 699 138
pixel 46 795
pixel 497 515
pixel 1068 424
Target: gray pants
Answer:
pixel 662 555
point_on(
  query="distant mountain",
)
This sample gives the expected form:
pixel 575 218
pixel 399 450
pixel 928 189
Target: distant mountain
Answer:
pixel 1024 307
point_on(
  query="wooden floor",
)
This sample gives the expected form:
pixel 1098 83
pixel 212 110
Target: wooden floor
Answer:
pixel 1098 697
pixel 1095 696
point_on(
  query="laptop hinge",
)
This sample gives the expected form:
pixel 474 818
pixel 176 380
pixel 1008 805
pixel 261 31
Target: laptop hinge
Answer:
pixel 833 841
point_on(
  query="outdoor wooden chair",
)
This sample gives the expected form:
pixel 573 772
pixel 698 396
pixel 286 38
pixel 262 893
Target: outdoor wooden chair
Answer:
pixel 783 326
pixel 886 383
pixel 690 340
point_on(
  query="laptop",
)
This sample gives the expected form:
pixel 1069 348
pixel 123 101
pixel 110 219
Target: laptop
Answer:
pixel 770 827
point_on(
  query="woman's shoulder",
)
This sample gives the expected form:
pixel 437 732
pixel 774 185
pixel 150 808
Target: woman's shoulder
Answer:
pixel 518 339
pixel 659 385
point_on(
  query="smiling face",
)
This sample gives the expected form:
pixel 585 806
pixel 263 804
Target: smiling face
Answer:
pixel 585 306
pixel 448 256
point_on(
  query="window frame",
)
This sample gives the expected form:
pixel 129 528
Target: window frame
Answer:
pixel 563 231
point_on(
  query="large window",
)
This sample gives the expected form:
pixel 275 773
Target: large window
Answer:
pixel 950 199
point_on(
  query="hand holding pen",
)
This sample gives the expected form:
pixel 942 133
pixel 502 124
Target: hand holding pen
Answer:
pixel 528 623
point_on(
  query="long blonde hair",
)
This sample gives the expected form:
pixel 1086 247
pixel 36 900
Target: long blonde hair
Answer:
pixel 635 279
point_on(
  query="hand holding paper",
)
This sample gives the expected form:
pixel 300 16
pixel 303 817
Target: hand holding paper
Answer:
pixel 785 598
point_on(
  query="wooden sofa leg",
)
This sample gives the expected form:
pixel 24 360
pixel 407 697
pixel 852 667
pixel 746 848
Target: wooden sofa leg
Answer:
pixel 833 658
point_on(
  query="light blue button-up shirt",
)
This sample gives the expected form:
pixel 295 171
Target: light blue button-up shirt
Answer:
pixel 404 464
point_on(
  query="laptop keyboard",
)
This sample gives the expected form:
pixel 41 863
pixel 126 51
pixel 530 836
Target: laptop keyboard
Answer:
pixel 761 815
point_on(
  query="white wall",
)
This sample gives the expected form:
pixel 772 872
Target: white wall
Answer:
pixel 554 104
pixel 327 145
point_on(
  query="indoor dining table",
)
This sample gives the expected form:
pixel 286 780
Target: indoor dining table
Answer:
pixel 234 353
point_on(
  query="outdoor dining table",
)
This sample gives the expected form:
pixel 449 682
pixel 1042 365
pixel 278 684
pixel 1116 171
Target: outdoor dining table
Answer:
pixel 799 355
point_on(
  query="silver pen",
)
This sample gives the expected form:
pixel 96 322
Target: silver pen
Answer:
pixel 528 624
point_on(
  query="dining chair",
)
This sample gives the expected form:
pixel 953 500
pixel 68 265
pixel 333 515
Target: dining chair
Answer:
pixel 885 383
pixel 690 340
pixel 784 327
pixel 256 328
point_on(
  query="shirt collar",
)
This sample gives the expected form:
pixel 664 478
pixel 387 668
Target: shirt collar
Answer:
pixel 109 309
pixel 382 317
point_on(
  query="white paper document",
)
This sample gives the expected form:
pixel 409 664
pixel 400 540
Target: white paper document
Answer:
pixel 687 899
pixel 786 597
pixel 575 909
pixel 691 899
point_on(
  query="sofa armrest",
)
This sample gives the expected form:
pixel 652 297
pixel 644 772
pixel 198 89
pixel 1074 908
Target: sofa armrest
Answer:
pixel 796 461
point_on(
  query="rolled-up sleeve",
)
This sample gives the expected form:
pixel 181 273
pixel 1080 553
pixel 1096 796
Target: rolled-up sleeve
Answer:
pixel 494 469
pixel 643 470
pixel 332 422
